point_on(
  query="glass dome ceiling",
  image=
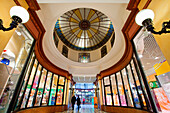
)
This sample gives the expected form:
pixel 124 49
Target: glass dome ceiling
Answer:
pixel 84 29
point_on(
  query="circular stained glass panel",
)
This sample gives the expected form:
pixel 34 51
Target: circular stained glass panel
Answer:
pixel 84 29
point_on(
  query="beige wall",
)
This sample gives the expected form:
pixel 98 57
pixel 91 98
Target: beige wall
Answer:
pixel 161 9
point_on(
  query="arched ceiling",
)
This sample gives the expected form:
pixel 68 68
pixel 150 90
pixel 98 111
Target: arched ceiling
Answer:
pixel 84 29
pixel 115 11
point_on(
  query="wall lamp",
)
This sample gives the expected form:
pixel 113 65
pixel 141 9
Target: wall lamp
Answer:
pixel 145 17
pixel 18 15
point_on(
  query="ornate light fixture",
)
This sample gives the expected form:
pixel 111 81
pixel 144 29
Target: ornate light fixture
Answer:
pixel 18 15
pixel 145 17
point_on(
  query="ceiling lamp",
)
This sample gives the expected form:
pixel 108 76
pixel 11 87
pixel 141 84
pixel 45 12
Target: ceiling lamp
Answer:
pixel 19 15
pixel 145 18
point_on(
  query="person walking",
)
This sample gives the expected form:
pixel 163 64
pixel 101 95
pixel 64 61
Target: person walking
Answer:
pixel 73 100
pixel 78 102
pixel 83 101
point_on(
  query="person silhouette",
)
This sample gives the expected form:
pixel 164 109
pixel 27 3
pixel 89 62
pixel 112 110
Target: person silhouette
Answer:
pixel 78 102
pixel 73 100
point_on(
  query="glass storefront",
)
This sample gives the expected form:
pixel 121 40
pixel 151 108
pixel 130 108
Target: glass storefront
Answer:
pixel 156 69
pixel 12 61
pixel 125 88
pixel 41 87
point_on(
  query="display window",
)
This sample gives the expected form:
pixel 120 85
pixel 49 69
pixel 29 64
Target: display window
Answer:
pixel 29 85
pixel 154 66
pixel 121 90
pixel 53 90
pixel 61 80
pixel 34 86
pixel 40 88
pixel 59 95
pixel 20 99
pixel 108 95
pixel 47 89
pixel 114 90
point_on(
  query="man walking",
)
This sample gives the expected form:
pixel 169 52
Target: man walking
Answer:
pixel 73 100
pixel 78 102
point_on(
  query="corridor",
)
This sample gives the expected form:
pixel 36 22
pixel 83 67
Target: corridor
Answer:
pixel 84 109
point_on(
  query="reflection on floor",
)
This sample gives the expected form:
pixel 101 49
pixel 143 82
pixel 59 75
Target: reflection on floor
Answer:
pixel 85 109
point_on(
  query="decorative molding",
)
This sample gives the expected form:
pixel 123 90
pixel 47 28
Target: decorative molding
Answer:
pixel 17 2
pixel 133 4
pixel 33 4
pixel 147 4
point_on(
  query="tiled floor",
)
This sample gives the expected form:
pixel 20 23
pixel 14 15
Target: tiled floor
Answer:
pixel 85 109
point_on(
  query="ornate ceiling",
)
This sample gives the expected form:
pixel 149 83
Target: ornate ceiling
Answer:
pixel 84 29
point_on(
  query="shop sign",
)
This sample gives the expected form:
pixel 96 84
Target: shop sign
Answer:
pixel 153 84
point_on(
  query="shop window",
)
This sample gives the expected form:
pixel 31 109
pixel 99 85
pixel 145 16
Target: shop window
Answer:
pixel 29 85
pixel 106 80
pixel 47 89
pixel 103 51
pixel 41 88
pixel 12 61
pixel 59 95
pixel 114 90
pixel 53 90
pixel 65 51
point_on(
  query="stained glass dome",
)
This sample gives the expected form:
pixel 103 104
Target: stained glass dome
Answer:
pixel 84 29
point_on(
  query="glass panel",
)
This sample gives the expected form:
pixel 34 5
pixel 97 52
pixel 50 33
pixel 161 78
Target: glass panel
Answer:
pixel 121 90
pixel 132 85
pixel 59 95
pixel 34 87
pixel 139 86
pixel 29 84
pixel 108 95
pixel 25 80
pixel 16 51
pixel 61 80
pixel 103 92
pixel 40 89
pixel 152 60
pixel 114 90
pixel 65 91
pixel 53 90
pixel 106 81
pixel 47 88
pixel 127 89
